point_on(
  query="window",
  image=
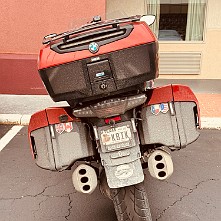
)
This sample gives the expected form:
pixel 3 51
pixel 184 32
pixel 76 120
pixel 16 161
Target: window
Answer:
pixel 176 20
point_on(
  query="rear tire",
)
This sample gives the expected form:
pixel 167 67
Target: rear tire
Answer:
pixel 131 203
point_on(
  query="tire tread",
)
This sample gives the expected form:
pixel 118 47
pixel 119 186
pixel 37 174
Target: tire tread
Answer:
pixel 131 203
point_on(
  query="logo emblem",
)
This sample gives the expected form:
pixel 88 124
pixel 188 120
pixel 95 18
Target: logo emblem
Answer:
pixel 124 172
pixel 164 107
pixel 68 127
pixel 157 108
pixel 93 47
pixel 60 128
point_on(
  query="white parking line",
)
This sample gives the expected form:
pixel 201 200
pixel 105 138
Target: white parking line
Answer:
pixel 9 136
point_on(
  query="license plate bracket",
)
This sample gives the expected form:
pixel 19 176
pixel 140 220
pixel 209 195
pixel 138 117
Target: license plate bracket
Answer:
pixel 115 138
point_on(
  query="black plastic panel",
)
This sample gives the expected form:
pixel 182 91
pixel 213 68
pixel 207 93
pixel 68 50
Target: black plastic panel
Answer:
pixel 134 65
pixel 99 71
pixel 103 87
pixel 123 70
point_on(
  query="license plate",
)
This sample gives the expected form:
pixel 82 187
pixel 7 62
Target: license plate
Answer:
pixel 116 137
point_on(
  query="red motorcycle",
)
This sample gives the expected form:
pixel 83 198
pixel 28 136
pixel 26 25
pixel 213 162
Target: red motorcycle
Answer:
pixel 117 124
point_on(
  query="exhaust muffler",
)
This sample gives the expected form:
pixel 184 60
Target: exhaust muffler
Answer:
pixel 160 164
pixel 84 179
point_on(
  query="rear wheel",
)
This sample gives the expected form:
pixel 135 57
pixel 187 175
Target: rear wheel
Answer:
pixel 131 203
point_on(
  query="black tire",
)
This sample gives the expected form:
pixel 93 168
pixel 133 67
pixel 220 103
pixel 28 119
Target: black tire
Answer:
pixel 131 203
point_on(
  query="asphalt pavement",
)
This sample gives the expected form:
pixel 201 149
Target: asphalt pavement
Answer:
pixel 29 193
pixel 192 193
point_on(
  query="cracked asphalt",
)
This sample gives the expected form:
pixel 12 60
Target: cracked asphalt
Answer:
pixel 192 193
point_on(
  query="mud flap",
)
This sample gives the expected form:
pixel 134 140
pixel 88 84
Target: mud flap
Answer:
pixel 123 166
pixel 125 170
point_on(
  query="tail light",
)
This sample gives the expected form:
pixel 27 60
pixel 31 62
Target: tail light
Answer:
pixel 111 107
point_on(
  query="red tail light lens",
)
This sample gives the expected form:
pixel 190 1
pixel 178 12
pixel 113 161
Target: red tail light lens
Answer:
pixel 116 119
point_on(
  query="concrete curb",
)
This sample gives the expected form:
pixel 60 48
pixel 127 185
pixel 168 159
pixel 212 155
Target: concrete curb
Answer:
pixel 211 122
pixel 19 119
pixel 15 119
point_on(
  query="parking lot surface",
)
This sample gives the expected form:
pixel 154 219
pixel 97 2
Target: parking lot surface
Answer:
pixel 29 193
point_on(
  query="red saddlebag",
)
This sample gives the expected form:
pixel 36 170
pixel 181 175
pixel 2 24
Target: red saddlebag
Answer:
pixel 170 117
pixel 58 139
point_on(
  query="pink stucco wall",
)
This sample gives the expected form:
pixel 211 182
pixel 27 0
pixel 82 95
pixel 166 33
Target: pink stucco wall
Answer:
pixel 25 22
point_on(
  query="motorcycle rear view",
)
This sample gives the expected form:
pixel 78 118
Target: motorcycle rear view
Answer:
pixel 117 123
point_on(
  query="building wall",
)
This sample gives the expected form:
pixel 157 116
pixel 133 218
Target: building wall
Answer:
pixel 117 9
pixel 210 47
pixel 25 22
pixel 23 25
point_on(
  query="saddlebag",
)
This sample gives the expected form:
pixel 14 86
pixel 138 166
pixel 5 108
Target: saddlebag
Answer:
pixel 170 117
pixel 58 139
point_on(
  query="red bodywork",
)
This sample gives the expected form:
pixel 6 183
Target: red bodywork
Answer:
pixel 168 93
pixel 141 34
pixel 47 117
pixel 50 116
pixel 172 93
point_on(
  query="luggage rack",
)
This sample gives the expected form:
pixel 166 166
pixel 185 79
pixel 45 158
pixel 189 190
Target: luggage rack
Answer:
pixel 97 24
pixel 102 37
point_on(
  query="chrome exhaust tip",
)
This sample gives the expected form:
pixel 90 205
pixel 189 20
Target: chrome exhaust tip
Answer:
pixel 84 179
pixel 160 164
